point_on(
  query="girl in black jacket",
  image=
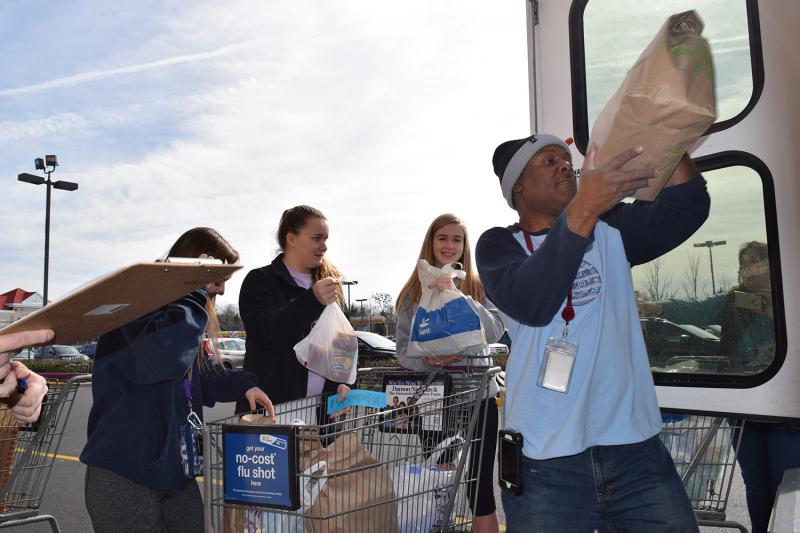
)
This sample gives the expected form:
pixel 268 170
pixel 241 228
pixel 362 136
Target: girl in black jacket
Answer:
pixel 280 302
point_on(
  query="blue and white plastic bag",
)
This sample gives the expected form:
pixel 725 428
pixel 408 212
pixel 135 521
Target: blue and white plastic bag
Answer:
pixel 445 322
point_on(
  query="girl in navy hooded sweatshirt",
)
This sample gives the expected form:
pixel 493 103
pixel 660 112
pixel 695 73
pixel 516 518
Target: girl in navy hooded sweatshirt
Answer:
pixel 142 375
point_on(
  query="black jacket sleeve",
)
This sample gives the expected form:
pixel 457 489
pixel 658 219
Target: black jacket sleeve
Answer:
pixel 267 321
pixel 530 289
pixel 651 229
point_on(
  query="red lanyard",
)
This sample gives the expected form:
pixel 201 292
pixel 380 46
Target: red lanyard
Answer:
pixel 569 312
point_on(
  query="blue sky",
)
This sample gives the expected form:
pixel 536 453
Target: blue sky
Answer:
pixel 178 114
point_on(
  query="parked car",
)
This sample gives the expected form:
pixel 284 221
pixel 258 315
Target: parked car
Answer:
pixel 88 349
pixel 63 352
pixel 230 351
pixel 27 354
pixel 374 345
pixel 669 343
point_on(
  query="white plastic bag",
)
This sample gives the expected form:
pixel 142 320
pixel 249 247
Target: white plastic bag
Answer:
pixel 445 322
pixel 422 490
pixel 331 349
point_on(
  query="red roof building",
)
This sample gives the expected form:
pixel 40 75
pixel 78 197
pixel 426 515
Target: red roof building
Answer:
pixel 17 303
pixel 13 297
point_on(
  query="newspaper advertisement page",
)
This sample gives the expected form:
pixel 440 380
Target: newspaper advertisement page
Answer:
pixel 426 414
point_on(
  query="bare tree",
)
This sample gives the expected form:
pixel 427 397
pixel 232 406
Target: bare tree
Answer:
pixel 691 285
pixel 658 283
pixel 724 284
pixel 229 319
pixel 382 303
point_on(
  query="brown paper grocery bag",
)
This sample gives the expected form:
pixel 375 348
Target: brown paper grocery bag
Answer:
pixel 665 103
pixel 355 481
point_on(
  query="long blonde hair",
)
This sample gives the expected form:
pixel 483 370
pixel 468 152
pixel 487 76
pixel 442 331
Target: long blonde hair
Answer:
pixel 471 285
pixel 292 221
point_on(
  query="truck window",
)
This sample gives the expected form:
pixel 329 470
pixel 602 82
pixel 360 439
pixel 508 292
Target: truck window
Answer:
pixel 711 306
pixel 731 27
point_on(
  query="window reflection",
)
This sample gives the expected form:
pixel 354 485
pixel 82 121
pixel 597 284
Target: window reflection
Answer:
pixel 692 324
pixel 609 52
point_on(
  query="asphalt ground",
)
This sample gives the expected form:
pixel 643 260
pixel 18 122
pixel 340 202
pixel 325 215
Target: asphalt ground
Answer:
pixel 64 493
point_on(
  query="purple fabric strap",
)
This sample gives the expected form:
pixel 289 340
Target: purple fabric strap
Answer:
pixel 187 388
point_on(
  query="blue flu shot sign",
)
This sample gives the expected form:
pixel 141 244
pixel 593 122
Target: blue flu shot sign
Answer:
pixel 259 466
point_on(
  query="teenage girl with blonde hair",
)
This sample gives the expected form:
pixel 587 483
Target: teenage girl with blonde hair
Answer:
pixel 447 241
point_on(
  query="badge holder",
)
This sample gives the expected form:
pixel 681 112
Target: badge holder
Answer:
pixel 559 359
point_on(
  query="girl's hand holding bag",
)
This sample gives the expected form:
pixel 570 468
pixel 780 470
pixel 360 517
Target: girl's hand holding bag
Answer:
pixel 331 349
pixel 445 322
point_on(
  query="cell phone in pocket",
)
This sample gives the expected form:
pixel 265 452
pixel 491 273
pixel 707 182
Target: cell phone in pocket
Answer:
pixel 510 461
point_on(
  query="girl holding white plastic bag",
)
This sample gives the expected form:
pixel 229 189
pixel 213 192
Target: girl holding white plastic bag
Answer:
pixel 447 242
pixel 280 302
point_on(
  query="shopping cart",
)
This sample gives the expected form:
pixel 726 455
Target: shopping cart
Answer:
pixel 28 453
pixel 703 449
pixel 373 470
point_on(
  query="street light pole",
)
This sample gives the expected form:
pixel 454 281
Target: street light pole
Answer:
pixel 51 162
pixel 710 245
pixel 46 243
pixel 361 301
pixel 349 284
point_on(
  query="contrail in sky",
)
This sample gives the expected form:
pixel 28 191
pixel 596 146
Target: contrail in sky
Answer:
pixel 102 74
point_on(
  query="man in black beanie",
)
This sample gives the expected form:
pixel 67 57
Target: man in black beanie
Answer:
pixel 579 388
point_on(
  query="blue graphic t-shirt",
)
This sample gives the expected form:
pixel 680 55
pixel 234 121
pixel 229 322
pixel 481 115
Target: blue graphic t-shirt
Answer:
pixel 611 398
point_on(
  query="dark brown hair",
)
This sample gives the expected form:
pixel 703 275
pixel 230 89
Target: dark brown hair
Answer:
pixel 198 241
pixel 194 243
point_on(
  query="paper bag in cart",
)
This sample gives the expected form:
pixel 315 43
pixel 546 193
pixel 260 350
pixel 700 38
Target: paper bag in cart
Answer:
pixel 665 103
pixel 358 487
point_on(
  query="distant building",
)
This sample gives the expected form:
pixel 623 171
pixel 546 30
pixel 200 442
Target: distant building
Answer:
pixel 16 304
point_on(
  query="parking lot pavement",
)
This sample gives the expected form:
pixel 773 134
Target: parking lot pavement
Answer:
pixel 63 496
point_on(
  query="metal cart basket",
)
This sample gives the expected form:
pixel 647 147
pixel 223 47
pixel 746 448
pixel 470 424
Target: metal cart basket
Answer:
pixel 703 449
pixel 405 468
pixel 28 453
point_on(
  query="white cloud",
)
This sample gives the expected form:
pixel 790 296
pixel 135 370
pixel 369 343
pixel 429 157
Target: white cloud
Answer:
pixel 381 117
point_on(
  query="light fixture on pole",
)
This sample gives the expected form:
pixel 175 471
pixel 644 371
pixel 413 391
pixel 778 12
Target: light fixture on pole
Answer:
pixel 710 245
pixel 49 162
pixel 349 283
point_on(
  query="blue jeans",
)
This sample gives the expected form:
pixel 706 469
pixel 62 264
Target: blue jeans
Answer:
pixel 765 451
pixel 626 488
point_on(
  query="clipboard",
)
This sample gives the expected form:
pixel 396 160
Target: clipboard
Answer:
pixel 118 298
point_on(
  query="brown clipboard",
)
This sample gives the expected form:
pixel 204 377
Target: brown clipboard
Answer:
pixel 117 298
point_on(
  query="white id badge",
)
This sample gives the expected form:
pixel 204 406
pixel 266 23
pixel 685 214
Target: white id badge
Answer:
pixel 559 358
